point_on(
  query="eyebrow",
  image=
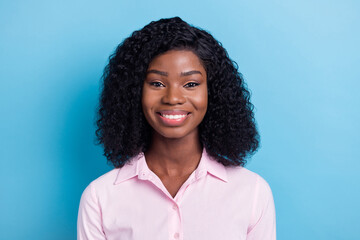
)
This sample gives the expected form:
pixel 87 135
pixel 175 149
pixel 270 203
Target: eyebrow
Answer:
pixel 181 74
pixel 157 72
pixel 190 73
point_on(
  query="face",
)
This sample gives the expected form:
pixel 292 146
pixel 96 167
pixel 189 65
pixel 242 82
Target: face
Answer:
pixel 174 97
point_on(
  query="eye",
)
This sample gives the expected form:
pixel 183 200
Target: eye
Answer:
pixel 191 84
pixel 157 84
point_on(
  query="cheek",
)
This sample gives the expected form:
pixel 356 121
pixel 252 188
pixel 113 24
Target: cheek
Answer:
pixel 149 102
pixel 201 100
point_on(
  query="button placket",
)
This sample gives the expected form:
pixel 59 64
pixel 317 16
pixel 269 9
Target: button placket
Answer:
pixel 175 225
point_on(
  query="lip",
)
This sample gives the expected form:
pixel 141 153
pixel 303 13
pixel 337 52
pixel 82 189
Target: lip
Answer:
pixel 173 122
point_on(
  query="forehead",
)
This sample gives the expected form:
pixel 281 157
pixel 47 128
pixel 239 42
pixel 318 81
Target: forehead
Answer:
pixel 177 60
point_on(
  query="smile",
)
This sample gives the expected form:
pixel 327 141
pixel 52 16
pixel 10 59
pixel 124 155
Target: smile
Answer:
pixel 172 119
pixel 173 116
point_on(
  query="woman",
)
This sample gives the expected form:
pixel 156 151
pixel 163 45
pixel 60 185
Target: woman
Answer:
pixel 176 122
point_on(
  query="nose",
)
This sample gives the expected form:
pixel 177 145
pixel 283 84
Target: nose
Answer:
pixel 173 96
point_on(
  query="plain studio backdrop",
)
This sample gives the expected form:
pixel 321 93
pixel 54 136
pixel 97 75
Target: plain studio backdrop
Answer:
pixel 300 60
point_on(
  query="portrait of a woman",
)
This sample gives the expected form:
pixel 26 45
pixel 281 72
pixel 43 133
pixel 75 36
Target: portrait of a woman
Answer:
pixel 176 122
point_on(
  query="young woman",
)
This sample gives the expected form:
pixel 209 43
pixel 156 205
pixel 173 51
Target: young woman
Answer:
pixel 176 122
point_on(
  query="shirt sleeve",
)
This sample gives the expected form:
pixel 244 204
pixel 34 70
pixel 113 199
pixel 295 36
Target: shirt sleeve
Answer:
pixel 89 224
pixel 263 221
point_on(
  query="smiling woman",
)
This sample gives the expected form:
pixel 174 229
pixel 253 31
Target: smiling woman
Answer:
pixel 176 121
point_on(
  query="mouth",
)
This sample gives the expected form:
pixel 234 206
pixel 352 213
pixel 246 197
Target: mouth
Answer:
pixel 173 118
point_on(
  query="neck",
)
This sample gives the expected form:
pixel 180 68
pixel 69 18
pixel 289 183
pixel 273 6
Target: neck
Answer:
pixel 174 157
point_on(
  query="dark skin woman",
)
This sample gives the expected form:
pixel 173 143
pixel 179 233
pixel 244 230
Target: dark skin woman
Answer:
pixel 176 122
pixel 228 130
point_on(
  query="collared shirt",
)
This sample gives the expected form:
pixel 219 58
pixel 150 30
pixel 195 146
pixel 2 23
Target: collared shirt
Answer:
pixel 215 202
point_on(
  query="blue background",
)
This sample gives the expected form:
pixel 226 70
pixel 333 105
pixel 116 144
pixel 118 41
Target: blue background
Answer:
pixel 299 58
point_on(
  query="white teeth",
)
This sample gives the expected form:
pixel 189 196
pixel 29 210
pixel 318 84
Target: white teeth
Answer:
pixel 173 116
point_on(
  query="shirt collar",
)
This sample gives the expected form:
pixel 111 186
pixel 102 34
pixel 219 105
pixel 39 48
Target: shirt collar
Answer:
pixel 210 165
pixel 137 166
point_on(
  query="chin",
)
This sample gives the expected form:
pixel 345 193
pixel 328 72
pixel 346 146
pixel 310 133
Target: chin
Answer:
pixel 175 134
pixel 172 135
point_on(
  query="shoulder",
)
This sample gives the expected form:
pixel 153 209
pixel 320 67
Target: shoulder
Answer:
pixel 109 181
pixel 244 175
pixel 240 176
pixel 105 179
pixel 101 183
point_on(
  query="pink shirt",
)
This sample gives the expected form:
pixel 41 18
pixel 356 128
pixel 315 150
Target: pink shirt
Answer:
pixel 215 202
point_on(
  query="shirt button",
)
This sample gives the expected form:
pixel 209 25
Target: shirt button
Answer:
pixel 176 235
pixel 175 207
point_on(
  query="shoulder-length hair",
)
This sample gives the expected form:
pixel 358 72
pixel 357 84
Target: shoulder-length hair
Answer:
pixel 228 130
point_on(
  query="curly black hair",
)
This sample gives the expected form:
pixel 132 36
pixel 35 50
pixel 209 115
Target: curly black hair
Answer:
pixel 228 131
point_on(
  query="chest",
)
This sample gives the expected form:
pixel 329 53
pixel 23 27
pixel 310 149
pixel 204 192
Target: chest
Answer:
pixel 201 211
